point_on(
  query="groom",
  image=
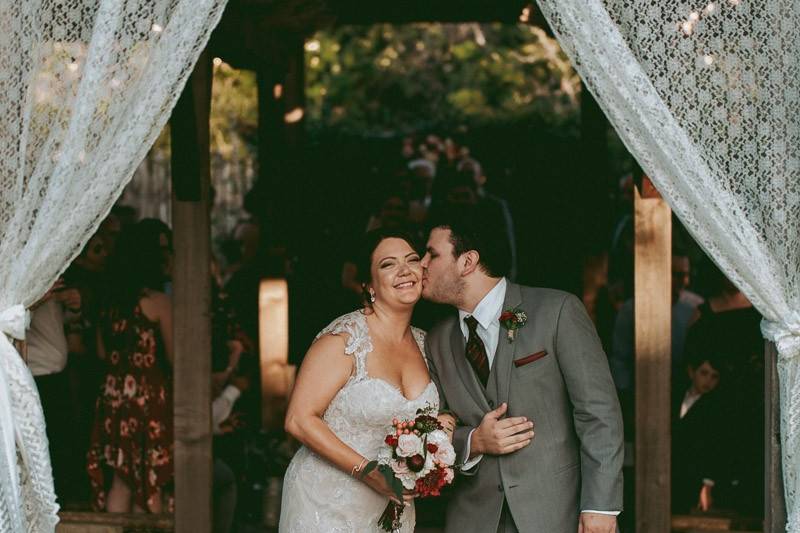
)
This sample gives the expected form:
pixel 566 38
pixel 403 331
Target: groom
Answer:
pixel 542 365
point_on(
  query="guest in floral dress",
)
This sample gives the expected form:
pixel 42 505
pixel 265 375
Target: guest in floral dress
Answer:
pixel 130 456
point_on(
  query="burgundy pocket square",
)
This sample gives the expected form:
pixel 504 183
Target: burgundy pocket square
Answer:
pixel 529 358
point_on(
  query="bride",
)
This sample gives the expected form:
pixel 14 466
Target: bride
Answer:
pixel 363 370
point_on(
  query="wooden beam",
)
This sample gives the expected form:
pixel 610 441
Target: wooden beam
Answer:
pixel 774 496
pixel 191 302
pixel 653 318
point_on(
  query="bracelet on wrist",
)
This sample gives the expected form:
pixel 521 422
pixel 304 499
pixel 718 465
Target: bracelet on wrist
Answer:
pixel 357 469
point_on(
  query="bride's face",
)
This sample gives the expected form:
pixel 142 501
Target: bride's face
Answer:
pixel 396 273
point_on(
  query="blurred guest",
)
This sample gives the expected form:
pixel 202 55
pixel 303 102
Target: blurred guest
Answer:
pixel 458 189
pixel 126 215
pixel 684 305
pixel 84 369
pixel 470 165
pixel 109 231
pixel 392 214
pixel 157 233
pixel 130 457
pixel 730 325
pixel 697 427
pixel 47 358
pixel 424 172
pixel 243 277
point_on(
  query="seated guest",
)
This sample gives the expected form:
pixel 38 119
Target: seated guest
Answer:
pixel 697 424
pixel 130 456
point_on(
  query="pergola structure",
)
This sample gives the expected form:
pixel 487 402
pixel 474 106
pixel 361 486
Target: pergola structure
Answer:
pixel 268 36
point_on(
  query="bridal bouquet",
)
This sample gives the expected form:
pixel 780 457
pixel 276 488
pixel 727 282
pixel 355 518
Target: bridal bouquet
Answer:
pixel 417 456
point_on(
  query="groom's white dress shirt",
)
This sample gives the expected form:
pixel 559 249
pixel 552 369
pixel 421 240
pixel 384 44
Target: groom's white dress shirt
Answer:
pixel 487 313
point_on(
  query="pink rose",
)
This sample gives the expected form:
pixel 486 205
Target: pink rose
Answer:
pixel 409 444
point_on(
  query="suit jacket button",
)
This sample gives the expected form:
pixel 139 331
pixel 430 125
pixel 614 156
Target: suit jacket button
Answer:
pixel 491 404
pixel 500 488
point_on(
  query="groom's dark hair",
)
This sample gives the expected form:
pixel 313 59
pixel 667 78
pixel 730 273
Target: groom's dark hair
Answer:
pixel 477 228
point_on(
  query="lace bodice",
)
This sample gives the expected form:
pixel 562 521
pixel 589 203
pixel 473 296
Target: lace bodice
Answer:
pixel 320 497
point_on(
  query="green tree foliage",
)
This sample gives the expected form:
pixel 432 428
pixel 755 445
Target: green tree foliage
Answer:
pixel 388 80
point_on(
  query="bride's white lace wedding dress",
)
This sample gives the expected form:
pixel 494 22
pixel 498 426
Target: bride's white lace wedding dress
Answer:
pixel 320 498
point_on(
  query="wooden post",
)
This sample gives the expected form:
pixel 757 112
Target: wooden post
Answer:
pixel 192 301
pixel 653 317
pixel 774 496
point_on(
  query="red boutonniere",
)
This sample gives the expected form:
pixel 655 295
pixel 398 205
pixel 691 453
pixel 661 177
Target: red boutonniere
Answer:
pixel 512 320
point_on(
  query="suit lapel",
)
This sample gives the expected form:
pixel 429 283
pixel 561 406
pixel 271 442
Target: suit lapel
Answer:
pixel 506 351
pixel 468 376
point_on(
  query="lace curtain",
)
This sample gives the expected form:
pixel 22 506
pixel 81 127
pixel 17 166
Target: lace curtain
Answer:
pixel 705 96
pixel 85 88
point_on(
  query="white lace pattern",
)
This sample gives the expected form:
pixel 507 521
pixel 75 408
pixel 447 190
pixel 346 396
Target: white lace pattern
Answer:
pixel 86 86
pixel 319 498
pixel 704 94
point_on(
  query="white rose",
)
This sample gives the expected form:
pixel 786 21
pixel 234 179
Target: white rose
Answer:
pixel 438 437
pixel 409 480
pixel 409 444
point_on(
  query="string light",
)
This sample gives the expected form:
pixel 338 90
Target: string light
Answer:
pixel 293 116
pixel 312 46
pixel 217 61
pixel 277 91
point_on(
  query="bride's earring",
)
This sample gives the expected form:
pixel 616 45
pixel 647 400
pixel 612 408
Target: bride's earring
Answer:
pixel 371 297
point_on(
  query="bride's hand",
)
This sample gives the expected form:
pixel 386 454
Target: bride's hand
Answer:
pixel 448 422
pixel 377 482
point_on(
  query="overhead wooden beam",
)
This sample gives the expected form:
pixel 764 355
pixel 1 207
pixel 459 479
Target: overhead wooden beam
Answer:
pixel 191 302
pixel 653 317
pixel 774 496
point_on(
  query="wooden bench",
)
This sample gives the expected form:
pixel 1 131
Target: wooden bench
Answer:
pixel 88 522
pixel 701 524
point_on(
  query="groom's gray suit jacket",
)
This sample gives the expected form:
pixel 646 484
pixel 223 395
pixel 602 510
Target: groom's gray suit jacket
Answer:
pixel 556 374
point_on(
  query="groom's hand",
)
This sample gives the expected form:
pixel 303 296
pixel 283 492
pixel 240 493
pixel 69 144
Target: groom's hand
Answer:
pixel 597 523
pixel 500 436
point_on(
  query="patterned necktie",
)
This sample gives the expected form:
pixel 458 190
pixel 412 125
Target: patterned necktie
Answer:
pixel 476 351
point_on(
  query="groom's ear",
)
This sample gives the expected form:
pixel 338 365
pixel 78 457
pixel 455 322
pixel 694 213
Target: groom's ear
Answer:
pixel 470 260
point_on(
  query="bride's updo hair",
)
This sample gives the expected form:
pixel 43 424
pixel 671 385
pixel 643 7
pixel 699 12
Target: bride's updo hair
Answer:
pixel 367 248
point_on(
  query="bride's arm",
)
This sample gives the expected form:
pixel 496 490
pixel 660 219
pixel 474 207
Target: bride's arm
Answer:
pixel 324 371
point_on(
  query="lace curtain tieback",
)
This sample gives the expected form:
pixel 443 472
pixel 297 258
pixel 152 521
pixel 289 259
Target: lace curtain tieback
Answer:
pixel 13 322
pixel 785 335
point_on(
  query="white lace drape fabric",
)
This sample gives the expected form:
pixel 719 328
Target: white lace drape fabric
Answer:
pixel 320 498
pixel 705 96
pixel 85 88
